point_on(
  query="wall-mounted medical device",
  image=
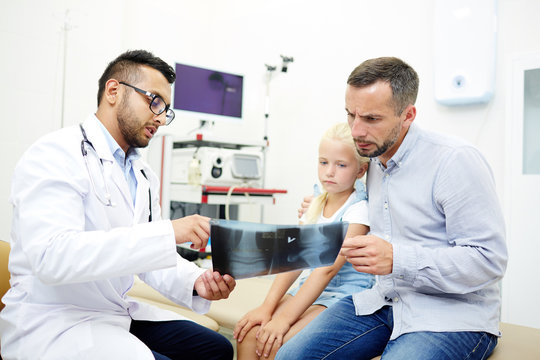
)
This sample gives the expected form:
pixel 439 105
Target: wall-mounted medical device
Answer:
pixel 218 166
pixel 464 51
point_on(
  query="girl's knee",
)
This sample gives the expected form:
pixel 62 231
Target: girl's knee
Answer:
pixel 246 348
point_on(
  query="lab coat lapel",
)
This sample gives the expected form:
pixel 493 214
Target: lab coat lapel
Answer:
pixel 121 184
pixel 142 200
pixel 110 170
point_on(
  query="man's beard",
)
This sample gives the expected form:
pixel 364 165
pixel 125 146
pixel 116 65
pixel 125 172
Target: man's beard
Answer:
pixel 128 125
pixel 379 150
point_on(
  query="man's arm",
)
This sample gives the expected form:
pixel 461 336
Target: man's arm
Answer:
pixel 473 252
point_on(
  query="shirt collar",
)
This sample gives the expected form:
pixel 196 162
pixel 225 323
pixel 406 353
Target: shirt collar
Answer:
pixel 400 157
pixel 132 153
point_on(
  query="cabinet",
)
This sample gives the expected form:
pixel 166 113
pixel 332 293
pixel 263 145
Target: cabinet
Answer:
pixel 232 172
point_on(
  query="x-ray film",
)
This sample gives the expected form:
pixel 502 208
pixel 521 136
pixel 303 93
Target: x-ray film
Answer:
pixel 243 249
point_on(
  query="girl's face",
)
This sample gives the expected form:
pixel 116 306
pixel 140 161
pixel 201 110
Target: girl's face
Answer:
pixel 338 167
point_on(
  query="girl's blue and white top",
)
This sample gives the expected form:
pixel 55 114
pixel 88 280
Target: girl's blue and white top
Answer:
pixel 347 281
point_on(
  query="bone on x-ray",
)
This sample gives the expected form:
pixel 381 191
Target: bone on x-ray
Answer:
pixel 243 249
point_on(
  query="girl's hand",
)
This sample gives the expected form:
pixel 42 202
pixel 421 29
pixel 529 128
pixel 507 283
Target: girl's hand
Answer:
pixel 271 335
pixel 257 316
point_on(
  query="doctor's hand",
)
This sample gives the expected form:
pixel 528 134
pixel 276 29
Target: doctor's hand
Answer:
pixel 369 254
pixel 212 286
pixel 305 205
pixel 194 229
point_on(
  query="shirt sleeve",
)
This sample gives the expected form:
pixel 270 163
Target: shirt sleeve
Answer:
pixel 64 236
pixel 357 213
pixel 177 284
pixel 476 255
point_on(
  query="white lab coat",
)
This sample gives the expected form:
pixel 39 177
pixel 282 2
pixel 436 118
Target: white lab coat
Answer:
pixel 73 258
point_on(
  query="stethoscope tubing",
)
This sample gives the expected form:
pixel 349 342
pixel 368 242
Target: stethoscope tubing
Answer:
pixel 107 201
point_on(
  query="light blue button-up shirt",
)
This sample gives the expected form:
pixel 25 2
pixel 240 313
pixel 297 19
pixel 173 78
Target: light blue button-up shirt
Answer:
pixel 124 162
pixel 436 203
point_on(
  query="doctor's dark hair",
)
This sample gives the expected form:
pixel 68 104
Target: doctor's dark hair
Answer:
pixel 399 75
pixel 126 67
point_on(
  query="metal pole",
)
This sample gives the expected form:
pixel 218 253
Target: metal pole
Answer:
pixel 65 30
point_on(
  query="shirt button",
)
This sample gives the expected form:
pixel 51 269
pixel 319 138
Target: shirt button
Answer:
pixel 396 299
pixel 387 237
pixel 386 205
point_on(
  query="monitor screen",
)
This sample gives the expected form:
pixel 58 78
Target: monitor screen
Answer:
pixel 208 94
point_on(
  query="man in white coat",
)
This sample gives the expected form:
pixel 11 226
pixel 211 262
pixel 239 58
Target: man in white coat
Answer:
pixel 86 218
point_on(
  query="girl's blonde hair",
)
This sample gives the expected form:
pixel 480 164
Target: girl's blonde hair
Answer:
pixel 340 132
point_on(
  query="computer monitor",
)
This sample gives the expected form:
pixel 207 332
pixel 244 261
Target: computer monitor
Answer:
pixel 208 94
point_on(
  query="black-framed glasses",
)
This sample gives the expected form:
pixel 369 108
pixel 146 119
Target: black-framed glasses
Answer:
pixel 157 105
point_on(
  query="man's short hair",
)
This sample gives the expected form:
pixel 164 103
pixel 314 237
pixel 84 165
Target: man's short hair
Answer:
pixel 126 67
pixel 399 75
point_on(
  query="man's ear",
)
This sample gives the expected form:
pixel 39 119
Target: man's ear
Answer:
pixel 112 90
pixel 362 170
pixel 410 115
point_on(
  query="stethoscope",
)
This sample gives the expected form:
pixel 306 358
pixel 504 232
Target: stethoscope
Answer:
pixel 107 196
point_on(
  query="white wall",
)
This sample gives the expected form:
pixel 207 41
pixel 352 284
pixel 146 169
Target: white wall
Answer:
pixel 32 68
pixel 327 40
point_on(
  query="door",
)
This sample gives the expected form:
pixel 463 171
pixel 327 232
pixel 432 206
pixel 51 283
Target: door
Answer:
pixel 521 285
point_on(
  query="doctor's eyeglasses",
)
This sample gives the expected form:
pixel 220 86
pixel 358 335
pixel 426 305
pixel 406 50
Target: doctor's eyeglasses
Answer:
pixel 157 105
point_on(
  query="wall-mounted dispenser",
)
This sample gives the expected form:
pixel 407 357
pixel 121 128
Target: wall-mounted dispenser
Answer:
pixel 465 34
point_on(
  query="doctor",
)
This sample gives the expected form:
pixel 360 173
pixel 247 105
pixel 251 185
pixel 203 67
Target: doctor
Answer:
pixel 86 218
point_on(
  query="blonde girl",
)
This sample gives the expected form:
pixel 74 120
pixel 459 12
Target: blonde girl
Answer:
pixel 261 332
